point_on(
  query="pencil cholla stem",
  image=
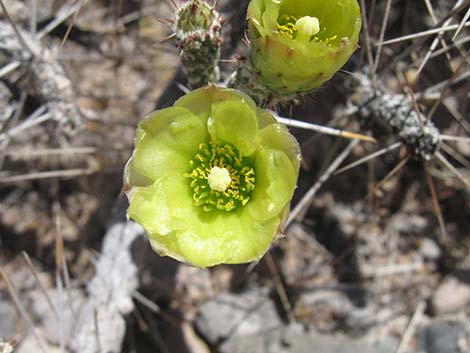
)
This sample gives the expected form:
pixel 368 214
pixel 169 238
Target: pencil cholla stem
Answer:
pixel 395 113
pixel 197 31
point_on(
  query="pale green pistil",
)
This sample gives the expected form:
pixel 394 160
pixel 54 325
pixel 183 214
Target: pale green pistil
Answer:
pixel 307 27
pixel 304 29
pixel 219 179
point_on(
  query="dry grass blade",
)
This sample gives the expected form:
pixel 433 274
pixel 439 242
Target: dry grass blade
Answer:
pixel 461 25
pixel 67 173
pixel 393 172
pixel 445 89
pixel 72 22
pixel 33 22
pixel 9 68
pixel 16 30
pixel 97 332
pixel 18 112
pixel 382 35
pixel 25 125
pixel 455 138
pixel 454 154
pixel 59 255
pixel 408 51
pixel 368 158
pixel 63 14
pixel 281 291
pixel 443 235
pixel 411 329
pixel 22 310
pixel 370 57
pixel 307 199
pixel 439 37
pixel 424 33
pixel 31 267
pixel 454 170
pixel 324 129
pixel 28 154
pixel 153 307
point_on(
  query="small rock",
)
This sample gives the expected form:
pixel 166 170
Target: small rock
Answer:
pixel 289 339
pixel 429 249
pixel 442 337
pixel 69 304
pixel 7 318
pixel 451 296
pixel 30 345
pixel 231 315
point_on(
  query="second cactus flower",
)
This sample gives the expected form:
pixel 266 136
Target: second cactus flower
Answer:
pixel 299 44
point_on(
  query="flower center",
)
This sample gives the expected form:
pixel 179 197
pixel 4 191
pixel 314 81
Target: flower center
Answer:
pixel 303 29
pixel 220 177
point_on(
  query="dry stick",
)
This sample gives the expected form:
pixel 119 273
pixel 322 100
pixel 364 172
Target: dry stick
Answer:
pixel 22 310
pixel 68 285
pixel 464 20
pixel 69 29
pixel 370 58
pixel 455 138
pixel 410 330
pixel 457 116
pixel 464 76
pixel 444 236
pixel 63 15
pixel 25 125
pixel 424 33
pixel 31 267
pixel 382 35
pixel 34 18
pixel 394 171
pixel 454 170
pixel 307 199
pixel 281 291
pixel 324 129
pixel 392 269
pixel 155 308
pixel 16 30
pixel 50 152
pixel 446 50
pixel 421 40
pixel 9 68
pixel 16 117
pixel 454 154
pixel 66 173
pixel 368 158
pixel 59 251
pixel 97 332
pixel 439 37
pixel 444 90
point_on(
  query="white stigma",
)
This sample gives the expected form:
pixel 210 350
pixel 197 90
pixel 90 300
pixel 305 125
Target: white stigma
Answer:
pixel 307 27
pixel 219 179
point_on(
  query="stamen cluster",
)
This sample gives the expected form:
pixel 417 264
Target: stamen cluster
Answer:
pixel 225 156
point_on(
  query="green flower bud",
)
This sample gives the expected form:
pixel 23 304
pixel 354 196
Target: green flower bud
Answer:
pixel 300 44
pixel 211 178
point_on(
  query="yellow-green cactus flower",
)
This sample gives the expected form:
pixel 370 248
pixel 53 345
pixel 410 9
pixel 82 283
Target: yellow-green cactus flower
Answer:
pixel 299 44
pixel 211 178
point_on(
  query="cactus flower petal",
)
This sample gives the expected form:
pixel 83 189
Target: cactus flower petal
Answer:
pixel 211 178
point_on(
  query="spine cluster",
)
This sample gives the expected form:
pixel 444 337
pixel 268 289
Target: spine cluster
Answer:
pixel 198 34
